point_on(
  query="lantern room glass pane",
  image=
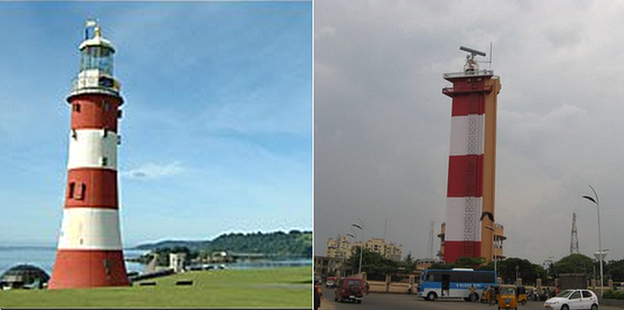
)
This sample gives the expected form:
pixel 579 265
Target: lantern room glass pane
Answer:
pixel 97 57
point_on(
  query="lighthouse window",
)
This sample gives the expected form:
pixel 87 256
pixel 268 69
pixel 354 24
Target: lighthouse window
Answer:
pixel 107 266
pixel 70 191
pixel 105 105
pixel 106 82
pixel 97 57
pixel 104 161
pixel 79 193
pixel 76 107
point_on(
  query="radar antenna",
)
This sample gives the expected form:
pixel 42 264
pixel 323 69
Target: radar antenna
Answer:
pixel 471 64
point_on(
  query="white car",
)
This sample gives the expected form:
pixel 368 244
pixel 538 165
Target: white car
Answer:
pixel 329 283
pixel 573 300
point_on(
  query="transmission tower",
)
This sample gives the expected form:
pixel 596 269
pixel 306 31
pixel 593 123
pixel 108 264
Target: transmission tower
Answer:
pixel 574 247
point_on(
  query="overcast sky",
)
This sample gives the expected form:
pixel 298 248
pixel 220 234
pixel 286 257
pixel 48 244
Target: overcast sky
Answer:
pixel 382 125
pixel 217 126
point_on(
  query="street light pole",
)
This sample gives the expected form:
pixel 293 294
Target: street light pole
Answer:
pixel 360 227
pixel 493 248
pixel 354 236
pixel 596 201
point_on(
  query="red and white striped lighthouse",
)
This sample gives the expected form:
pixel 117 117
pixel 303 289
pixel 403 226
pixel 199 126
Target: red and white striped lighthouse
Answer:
pixel 89 249
pixel 470 194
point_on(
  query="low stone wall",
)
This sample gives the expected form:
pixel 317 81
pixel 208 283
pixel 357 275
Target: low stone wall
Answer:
pixel 377 286
pixel 392 287
pixel 612 302
pixel 398 287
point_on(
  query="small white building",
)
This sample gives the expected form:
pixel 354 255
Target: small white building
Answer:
pixel 177 261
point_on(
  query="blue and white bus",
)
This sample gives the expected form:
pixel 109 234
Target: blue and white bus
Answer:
pixel 454 283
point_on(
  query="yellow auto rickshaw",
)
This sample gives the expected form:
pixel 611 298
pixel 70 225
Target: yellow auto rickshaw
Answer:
pixel 485 297
pixel 522 296
pixel 508 297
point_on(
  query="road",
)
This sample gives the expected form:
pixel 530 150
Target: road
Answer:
pixel 404 302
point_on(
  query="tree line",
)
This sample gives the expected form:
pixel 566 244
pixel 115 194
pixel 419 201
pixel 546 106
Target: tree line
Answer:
pixel 275 244
pixel 508 269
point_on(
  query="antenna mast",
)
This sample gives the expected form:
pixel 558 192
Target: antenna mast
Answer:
pixel 490 61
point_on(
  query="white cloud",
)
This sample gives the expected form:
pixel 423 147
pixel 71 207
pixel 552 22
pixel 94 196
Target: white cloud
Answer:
pixel 153 171
pixel 325 31
pixel 526 126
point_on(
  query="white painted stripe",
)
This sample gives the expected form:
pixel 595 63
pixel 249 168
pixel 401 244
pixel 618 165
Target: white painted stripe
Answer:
pixel 90 229
pixel 92 148
pixel 459 218
pixel 467 134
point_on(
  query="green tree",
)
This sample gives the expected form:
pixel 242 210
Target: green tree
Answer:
pixel 409 259
pixel 526 270
pixel 574 263
pixel 469 262
pixel 375 265
pixel 614 269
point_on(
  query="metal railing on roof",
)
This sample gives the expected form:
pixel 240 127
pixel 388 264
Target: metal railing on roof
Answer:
pixel 94 84
pixel 469 73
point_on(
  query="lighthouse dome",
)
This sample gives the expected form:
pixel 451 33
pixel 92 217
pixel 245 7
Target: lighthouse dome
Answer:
pixel 98 41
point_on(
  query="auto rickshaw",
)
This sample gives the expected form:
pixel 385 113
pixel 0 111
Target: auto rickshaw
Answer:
pixel 522 296
pixel 485 297
pixel 508 297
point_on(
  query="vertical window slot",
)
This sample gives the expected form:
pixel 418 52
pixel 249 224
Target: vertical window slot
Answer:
pixel 71 190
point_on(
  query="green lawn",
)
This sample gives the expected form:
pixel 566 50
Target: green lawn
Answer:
pixel 279 287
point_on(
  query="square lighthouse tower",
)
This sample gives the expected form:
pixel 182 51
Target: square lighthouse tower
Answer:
pixel 470 229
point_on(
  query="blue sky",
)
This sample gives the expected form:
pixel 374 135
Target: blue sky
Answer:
pixel 217 121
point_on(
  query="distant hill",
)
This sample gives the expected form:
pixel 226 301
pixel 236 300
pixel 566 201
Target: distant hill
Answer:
pixel 295 243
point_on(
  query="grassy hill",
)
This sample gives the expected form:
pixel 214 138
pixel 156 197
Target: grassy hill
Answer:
pixel 293 243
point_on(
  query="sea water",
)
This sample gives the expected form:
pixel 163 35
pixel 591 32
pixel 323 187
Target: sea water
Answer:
pixel 44 256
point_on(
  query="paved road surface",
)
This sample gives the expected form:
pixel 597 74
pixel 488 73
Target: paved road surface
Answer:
pixel 411 302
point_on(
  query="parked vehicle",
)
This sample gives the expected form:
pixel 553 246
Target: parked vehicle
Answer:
pixel 330 282
pixel 522 295
pixel 508 297
pixel 485 297
pixel 573 300
pixel 350 289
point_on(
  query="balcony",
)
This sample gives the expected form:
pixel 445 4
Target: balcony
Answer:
pixel 468 73
pixel 94 82
pixel 450 91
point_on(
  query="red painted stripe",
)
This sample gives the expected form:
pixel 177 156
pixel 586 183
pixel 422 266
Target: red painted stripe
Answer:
pixel 88 268
pixel 465 176
pixel 456 249
pixel 95 111
pixel 92 187
pixel 470 103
